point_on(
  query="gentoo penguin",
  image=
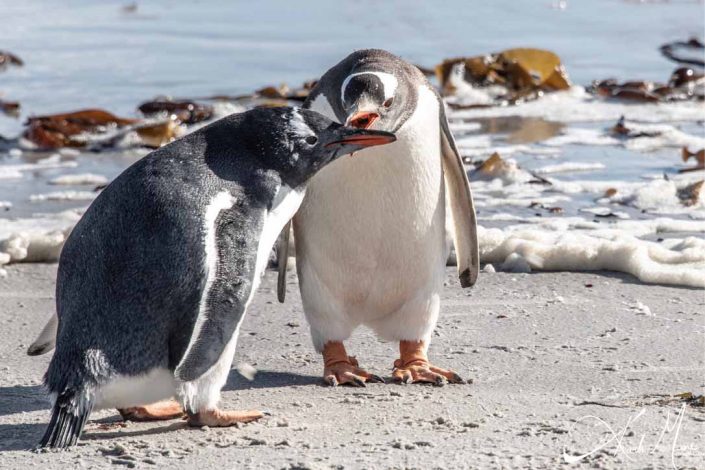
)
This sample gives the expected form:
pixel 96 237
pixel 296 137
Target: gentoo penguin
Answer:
pixel 370 234
pixel 155 278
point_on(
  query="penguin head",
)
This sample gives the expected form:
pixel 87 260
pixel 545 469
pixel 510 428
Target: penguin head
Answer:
pixel 378 92
pixel 299 142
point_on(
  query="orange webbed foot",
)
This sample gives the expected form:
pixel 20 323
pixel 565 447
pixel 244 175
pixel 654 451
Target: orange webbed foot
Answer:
pixel 341 369
pixel 160 411
pixel 413 367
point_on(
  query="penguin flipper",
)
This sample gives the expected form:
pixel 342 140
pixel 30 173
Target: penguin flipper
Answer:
pixel 282 261
pixel 46 341
pixel 462 207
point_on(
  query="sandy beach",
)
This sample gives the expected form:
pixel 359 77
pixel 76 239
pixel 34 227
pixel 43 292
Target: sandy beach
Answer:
pixel 563 364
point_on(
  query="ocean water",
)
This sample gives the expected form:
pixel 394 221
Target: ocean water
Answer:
pixel 85 54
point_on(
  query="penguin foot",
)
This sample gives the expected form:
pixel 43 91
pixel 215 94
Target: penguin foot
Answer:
pixel 160 411
pixel 220 418
pixel 341 369
pixel 413 367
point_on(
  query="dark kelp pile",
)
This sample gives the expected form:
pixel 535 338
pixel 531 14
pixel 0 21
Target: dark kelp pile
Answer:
pixel 95 129
pixel 184 111
pixel 685 84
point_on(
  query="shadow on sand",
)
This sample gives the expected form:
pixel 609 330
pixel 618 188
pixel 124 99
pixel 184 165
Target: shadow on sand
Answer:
pixel 25 436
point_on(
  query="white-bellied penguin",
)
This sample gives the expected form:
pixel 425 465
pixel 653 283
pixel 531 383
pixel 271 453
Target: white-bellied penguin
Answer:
pixel 370 235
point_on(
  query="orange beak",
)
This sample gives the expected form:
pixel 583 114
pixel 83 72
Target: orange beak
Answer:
pixel 362 120
pixel 368 139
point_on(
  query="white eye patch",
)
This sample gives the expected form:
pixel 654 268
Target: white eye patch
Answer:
pixel 298 131
pixel 389 83
pixel 299 126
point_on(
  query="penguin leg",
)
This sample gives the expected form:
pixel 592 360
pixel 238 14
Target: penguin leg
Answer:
pixel 163 410
pixel 413 366
pixel 339 368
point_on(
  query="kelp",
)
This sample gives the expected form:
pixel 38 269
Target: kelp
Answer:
pixel 185 111
pixel 156 134
pixel 698 156
pixel 694 46
pixel 493 167
pixel 523 73
pixel 684 84
pixel 63 130
pixel 96 129
pixel 623 131
pixel 284 93
pixel 11 108
pixel 8 59
pixel 692 194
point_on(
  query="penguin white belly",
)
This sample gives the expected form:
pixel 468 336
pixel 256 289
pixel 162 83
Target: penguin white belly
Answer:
pixel 204 392
pixel 370 240
pixel 125 391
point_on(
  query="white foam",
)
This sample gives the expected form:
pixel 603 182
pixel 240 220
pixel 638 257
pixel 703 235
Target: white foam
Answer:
pixel 16 171
pixel 36 239
pixel 680 263
pixel 79 179
pixel 569 167
pixel 464 126
pixel 576 105
pixel 64 196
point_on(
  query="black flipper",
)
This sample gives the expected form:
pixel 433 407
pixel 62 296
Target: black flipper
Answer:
pixel 69 416
pixel 461 205
pixel 282 261
pixel 225 297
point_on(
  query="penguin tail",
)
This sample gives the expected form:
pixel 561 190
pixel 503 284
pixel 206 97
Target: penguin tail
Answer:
pixel 68 417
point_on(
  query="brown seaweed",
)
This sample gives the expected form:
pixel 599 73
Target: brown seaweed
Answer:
pixel 154 135
pixel 8 58
pixel 623 131
pixel 11 108
pixel 525 72
pixel 186 111
pixel 61 130
pixel 698 156
pixel 692 194
pixel 684 84
pixel 673 49
pixel 284 93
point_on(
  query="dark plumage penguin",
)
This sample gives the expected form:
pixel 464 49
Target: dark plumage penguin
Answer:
pixel 156 277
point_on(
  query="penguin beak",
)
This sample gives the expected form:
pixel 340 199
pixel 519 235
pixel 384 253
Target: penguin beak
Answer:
pixel 361 119
pixel 352 140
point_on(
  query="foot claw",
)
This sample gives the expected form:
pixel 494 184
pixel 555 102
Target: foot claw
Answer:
pixel 373 378
pixel 422 372
pixel 358 382
pixel 341 369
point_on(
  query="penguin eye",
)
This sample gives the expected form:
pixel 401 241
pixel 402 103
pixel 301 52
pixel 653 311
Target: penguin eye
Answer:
pixel 311 140
pixel 389 102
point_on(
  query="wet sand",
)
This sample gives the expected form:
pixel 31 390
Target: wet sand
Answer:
pixel 561 363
